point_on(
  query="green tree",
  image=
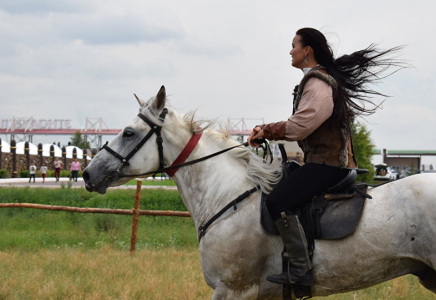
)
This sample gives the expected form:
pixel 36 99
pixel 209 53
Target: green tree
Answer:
pixel 79 141
pixel 411 170
pixel 363 151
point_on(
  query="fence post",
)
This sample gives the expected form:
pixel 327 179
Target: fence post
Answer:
pixel 27 153
pixel 41 160
pixel 135 217
pixel 52 154
pixel 93 153
pixel 85 157
pixel 1 161
pixel 14 159
pixel 64 156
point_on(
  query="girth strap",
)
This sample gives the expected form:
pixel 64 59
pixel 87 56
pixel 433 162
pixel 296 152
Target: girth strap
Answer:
pixel 202 229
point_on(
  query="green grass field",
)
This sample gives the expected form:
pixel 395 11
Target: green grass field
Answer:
pixel 31 229
pixel 62 255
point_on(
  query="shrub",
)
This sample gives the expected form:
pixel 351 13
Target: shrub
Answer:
pixel 65 173
pixel 4 173
pixel 24 174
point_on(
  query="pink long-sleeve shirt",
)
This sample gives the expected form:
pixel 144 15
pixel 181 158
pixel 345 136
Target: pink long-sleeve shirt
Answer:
pixel 316 106
pixel 75 166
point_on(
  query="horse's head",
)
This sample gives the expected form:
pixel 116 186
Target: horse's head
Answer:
pixel 125 154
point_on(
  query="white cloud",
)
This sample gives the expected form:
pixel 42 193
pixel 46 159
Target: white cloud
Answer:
pixel 118 28
pixel 46 6
pixel 404 126
pixel 226 58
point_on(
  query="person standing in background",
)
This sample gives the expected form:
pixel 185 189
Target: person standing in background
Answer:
pixel 58 164
pixel 43 170
pixel 32 170
pixel 75 167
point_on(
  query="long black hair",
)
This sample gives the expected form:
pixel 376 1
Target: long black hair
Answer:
pixel 353 73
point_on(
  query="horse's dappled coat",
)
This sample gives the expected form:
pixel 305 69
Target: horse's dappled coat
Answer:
pixel 397 234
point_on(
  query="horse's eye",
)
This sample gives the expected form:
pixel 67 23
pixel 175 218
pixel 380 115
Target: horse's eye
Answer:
pixel 128 133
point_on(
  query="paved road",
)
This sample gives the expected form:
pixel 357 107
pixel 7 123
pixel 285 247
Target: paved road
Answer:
pixel 51 183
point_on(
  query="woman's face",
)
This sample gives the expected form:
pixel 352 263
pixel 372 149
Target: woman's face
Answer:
pixel 297 53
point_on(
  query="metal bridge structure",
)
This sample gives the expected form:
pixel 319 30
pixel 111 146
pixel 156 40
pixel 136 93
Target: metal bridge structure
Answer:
pixel 23 129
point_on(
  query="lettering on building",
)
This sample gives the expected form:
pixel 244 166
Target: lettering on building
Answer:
pixel 30 123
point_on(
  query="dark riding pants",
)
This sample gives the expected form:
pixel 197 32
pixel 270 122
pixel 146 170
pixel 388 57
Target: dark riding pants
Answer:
pixel 301 186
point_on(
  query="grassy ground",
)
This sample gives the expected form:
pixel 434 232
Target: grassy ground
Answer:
pixel 60 255
pixel 108 273
pixel 105 273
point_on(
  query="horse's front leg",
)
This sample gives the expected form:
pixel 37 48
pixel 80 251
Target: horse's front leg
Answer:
pixel 225 293
pixel 241 274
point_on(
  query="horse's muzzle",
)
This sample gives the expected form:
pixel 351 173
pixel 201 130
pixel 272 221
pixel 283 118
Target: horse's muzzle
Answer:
pixel 99 187
pixel 87 178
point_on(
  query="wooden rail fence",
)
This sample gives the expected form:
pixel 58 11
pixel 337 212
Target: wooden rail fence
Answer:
pixel 136 212
pixel 164 213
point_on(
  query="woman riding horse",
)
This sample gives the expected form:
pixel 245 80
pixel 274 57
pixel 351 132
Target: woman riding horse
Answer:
pixel 323 113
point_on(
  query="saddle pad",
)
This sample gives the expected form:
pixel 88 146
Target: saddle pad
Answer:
pixel 338 219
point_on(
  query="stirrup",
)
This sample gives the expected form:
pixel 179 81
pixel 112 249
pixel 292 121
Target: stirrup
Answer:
pixel 287 278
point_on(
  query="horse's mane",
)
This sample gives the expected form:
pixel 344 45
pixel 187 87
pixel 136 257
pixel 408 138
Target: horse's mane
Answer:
pixel 259 172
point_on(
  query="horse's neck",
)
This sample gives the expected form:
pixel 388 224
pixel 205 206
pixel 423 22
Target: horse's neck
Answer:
pixel 206 187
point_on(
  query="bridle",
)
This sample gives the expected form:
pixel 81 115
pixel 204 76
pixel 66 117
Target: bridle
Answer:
pixel 178 162
pixel 154 129
pixel 171 170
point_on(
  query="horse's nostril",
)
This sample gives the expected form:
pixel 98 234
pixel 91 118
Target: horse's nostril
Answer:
pixel 86 176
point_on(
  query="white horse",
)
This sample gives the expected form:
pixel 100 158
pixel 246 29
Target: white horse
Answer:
pixel 396 235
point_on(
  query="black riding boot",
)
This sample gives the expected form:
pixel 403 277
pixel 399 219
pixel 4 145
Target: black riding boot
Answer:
pixel 294 239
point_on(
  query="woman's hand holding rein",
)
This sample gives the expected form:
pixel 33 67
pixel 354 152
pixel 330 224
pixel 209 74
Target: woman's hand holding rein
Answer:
pixel 255 134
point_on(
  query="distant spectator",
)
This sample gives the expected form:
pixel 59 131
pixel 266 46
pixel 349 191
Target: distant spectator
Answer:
pixel 32 170
pixel 58 164
pixel 43 170
pixel 75 168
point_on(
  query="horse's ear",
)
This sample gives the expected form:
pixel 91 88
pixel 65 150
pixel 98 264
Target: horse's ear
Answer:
pixel 141 103
pixel 161 96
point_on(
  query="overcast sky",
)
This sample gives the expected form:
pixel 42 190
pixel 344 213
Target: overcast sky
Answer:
pixel 227 59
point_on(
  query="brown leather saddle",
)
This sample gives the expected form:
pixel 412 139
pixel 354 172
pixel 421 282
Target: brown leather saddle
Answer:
pixel 332 215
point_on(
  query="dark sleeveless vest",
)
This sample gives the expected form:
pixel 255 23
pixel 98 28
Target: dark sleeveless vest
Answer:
pixel 328 144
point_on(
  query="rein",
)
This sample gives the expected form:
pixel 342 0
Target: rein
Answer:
pixel 185 163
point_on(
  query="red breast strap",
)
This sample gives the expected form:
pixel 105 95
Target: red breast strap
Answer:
pixel 185 153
